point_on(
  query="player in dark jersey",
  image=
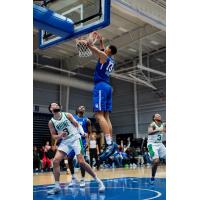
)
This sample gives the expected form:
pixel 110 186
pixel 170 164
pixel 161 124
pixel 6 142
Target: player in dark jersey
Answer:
pixel 102 93
pixel 86 125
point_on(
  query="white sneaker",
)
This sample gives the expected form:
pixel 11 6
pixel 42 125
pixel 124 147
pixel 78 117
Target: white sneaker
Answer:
pixel 72 183
pixel 82 183
pixel 54 190
pixel 101 186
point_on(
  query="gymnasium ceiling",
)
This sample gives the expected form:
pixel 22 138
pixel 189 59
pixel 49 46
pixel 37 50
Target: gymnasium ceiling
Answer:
pixel 129 33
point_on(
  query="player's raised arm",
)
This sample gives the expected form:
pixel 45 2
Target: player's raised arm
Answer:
pixel 101 44
pixel 102 55
pixel 75 123
pixel 71 118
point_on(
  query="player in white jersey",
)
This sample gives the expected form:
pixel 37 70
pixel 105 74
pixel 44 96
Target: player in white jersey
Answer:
pixel 65 129
pixel 155 146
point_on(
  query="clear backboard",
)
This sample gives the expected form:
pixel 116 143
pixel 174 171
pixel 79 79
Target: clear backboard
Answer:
pixel 87 16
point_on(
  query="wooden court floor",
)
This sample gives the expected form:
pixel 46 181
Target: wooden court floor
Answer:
pixel 47 178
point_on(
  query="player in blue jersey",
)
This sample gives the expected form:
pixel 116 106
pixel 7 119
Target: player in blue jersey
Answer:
pixel 86 125
pixel 102 92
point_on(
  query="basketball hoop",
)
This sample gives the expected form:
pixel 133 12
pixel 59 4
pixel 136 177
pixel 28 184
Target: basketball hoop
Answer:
pixel 81 44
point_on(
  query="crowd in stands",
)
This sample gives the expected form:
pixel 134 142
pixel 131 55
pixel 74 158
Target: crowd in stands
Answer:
pixel 124 156
pixel 43 157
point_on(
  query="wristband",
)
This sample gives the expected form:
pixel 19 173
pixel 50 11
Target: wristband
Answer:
pixel 81 131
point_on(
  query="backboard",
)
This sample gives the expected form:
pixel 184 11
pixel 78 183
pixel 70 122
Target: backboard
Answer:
pixel 87 15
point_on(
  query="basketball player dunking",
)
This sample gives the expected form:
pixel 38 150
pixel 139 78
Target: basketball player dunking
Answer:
pixel 102 93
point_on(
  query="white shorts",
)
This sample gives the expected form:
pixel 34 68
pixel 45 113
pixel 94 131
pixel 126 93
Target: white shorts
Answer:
pixel 157 150
pixel 67 147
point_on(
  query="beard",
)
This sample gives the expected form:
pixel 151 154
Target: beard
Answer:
pixel 158 120
pixel 56 110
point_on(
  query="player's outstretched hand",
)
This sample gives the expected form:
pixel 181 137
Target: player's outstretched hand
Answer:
pixel 97 35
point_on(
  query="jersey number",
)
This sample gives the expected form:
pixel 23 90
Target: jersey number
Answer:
pixel 110 66
pixel 159 137
pixel 66 131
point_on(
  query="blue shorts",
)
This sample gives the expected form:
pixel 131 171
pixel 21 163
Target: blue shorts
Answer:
pixel 102 97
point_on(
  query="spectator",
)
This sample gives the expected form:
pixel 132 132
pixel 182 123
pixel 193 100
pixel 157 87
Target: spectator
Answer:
pixel 47 147
pixel 50 154
pixel 139 157
pixel 46 163
pixel 36 160
pixel 131 155
pixel 125 159
pixel 93 151
pixel 146 156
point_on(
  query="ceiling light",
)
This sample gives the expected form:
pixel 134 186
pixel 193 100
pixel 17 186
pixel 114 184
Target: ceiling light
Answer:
pixel 133 50
pixel 154 42
pixel 122 29
pixel 160 59
pixel 45 56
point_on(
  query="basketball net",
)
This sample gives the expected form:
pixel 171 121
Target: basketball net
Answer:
pixel 81 44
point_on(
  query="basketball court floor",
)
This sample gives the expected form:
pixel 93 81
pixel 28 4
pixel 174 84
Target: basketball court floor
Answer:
pixel 120 184
pixel 137 28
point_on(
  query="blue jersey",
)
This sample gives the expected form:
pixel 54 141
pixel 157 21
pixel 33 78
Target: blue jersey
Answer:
pixel 102 71
pixel 83 122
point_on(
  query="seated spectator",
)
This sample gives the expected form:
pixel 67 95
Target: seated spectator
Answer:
pixel 50 154
pixel 131 155
pixel 125 159
pixel 146 156
pixel 46 163
pixel 36 160
pixel 139 157
pixel 47 146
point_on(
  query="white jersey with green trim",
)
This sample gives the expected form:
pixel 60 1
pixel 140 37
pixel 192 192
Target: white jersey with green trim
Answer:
pixel 157 136
pixel 64 124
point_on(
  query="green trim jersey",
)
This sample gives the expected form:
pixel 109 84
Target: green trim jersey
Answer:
pixel 157 136
pixel 64 124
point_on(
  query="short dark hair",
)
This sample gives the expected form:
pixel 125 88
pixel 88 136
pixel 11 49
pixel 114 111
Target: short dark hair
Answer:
pixel 154 117
pixel 50 106
pixel 113 49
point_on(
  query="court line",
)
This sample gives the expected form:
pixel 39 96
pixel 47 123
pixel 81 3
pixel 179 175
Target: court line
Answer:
pixel 158 194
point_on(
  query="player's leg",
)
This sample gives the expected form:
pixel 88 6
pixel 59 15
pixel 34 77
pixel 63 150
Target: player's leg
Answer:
pixel 91 157
pixel 108 108
pixel 96 159
pixel 109 148
pixel 56 171
pixel 162 151
pixel 99 115
pixel 71 167
pixel 154 169
pixel 110 145
pixel 82 182
pixel 78 151
pixel 153 151
pixel 99 106
pixel 67 165
pixel 107 117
